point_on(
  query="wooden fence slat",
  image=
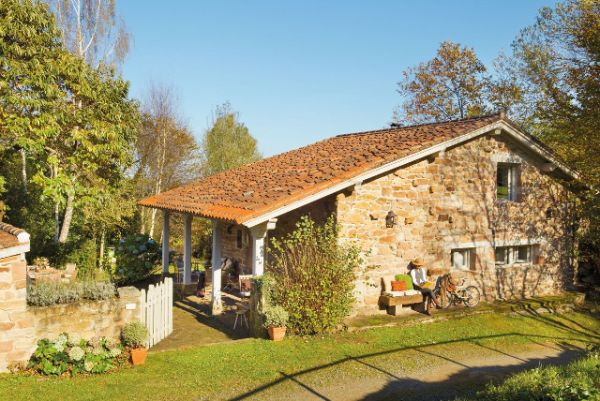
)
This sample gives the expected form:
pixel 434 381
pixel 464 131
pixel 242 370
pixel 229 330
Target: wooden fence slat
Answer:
pixel 157 310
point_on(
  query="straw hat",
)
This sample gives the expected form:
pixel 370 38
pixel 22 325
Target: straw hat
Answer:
pixel 418 262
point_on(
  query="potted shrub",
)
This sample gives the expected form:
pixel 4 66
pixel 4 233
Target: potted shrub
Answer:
pixel 276 319
pixel 398 284
pixel 134 336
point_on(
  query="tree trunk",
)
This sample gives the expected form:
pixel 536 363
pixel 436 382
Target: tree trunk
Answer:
pixel 66 225
pixel 152 223
pixel 102 244
pixel 24 169
pixel 142 220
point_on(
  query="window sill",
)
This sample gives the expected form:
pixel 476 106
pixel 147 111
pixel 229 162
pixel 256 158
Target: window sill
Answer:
pixel 516 264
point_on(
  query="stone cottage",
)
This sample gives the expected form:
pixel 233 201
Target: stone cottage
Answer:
pixel 477 196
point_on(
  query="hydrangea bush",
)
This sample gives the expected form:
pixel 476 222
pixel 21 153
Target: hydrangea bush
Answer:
pixel 137 257
pixel 63 355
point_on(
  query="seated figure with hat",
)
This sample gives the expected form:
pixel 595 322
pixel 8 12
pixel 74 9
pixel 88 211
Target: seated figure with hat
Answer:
pixel 418 273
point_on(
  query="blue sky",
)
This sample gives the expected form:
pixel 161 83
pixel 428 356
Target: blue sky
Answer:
pixel 301 71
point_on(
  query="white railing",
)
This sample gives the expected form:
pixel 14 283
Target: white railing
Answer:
pixel 157 310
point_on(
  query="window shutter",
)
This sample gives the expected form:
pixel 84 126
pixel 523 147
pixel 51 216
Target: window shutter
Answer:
pixel 518 188
pixel 474 260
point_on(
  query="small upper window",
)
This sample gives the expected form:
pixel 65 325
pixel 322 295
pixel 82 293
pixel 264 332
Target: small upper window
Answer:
pixel 507 178
pixel 462 259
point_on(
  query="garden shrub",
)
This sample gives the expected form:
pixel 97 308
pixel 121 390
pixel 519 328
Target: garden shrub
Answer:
pixel 83 254
pixel 45 293
pixel 65 355
pixel 137 257
pixel 314 276
pixel 276 316
pixel 134 334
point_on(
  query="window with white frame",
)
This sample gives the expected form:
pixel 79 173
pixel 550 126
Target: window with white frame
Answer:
pixel 463 259
pixel 508 255
pixel 507 181
pixel 522 254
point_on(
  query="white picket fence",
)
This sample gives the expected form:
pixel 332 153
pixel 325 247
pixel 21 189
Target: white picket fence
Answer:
pixel 157 310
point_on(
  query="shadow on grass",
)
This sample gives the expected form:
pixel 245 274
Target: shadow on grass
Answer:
pixel 464 382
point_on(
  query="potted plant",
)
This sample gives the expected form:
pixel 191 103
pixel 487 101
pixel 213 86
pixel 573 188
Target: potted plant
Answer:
pixel 276 319
pixel 398 284
pixel 134 336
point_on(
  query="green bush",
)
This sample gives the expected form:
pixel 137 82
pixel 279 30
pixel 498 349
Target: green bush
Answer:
pixel 64 355
pixel 84 256
pixel 134 334
pixel 137 257
pixel 276 316
pixel 577 381
pixel 44 293
pixel 314 276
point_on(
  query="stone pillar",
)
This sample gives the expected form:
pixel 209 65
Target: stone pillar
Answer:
pixel 216 303
pixel 259 234
pixel 17 331
pixel 165 243
pixel 187 249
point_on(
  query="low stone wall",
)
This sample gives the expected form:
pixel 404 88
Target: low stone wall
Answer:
pixel 87 319
pixel 21 326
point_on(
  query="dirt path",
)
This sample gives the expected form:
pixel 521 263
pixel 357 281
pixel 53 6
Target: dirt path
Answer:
pixel 436 373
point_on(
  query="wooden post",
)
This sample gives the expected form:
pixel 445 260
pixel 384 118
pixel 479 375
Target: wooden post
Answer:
pixel 216 303
pixel 165 242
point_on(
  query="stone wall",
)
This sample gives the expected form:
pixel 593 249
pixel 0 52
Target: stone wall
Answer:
pixel 449 202
pixel 22 326
pixel 16 326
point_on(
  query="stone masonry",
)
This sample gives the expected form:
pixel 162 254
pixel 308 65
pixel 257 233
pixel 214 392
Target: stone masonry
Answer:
pixel 449 202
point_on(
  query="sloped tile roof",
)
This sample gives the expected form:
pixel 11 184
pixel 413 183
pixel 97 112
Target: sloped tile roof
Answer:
pixel 251 190
pixel 8 235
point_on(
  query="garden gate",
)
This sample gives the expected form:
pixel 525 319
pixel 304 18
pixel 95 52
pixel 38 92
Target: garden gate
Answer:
pixel 157 310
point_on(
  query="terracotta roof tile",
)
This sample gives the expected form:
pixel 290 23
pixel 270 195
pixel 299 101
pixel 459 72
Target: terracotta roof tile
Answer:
pixel 253 189
pixel 8 235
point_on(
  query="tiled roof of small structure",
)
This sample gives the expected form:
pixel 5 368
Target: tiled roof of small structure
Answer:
pixel 251 190
pixel 8 235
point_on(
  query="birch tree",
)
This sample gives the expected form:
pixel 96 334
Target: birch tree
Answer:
pixel 92 30
pixel 167 150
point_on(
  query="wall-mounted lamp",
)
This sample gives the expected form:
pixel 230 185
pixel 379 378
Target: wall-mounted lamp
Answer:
pixel 390 219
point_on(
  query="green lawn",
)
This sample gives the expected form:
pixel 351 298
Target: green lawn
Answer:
pixel 229 370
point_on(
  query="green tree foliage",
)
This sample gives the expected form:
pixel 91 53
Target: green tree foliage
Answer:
pixel 228 143
pixel 74 125
pixel 558 59
pixel 314 276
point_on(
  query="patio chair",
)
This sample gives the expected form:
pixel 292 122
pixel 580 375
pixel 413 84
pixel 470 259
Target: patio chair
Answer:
pixel 241 313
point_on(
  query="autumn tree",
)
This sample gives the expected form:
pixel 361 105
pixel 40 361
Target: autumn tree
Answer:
pixel 92 30
pixel 447 87
pixel 227 143
pixel 168 154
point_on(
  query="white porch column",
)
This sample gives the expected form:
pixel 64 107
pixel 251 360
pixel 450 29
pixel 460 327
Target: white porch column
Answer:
pixel 187 249
pixel 216 303
pixel 165 242
pixel 259 233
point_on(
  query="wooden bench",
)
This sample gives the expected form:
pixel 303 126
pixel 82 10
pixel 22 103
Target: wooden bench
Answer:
pixel 394 304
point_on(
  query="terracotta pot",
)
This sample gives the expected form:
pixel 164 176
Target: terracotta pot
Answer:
pixel 398 285
pixel 276 333
pixel 138 355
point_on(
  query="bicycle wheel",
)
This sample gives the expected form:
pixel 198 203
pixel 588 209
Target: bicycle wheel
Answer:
pixel 444 304
pixel 472 296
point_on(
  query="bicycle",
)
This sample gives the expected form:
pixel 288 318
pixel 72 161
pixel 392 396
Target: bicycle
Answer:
pixel 470 295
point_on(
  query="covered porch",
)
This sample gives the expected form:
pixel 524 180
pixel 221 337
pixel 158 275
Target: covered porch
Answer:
pixel 251 240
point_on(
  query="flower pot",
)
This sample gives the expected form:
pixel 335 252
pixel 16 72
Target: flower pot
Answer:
pixel 276 333
pixel 138 355
pixel 398 285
